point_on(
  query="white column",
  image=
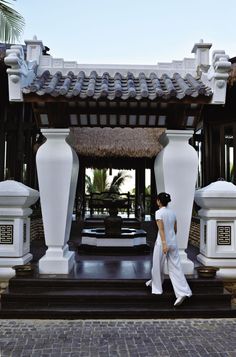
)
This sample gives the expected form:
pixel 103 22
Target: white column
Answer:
pixel 57 166
pixel 176 173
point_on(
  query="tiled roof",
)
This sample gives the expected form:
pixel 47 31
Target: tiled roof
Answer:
pixel 118 87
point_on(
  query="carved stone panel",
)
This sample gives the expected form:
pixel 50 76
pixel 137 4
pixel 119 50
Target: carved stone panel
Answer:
pixel 6 233
pixel 223 235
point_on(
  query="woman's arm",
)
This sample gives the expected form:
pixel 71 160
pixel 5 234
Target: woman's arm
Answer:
pixel 162 235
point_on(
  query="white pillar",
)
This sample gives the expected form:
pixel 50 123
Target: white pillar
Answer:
pixel 176 173
pixel 57 166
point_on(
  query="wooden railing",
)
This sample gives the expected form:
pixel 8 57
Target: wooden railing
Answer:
pixel 102 202
pixel 99 203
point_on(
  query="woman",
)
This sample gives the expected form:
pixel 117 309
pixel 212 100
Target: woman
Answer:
pixel 166 248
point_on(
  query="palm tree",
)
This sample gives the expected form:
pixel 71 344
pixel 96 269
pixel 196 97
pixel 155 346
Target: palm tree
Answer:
pixel 100 183
pixel 117 181
pixel 11 23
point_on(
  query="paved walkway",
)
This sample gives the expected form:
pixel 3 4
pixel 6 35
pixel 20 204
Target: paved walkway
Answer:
pixel 117 338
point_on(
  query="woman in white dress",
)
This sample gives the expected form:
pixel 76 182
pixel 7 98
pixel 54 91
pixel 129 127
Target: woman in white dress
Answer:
pixel 166 248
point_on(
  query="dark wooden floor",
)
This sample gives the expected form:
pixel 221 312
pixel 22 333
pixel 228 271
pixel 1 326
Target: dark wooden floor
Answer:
pixel 109 266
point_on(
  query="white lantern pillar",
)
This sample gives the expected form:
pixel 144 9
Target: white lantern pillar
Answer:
pixel 57 166
pixel 15 200
pixel 218 227
pixel 176 173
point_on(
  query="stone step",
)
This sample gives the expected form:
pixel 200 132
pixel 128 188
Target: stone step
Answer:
pixel 125 251
pixel 34 297
pixel 121 313
pixel 206 286
pixel 108 299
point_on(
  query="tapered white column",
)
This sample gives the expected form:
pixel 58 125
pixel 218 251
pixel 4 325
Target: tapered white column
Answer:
pixel 176 173
pixel 57 166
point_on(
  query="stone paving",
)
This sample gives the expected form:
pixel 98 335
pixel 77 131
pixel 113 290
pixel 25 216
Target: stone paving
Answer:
pixel 117 338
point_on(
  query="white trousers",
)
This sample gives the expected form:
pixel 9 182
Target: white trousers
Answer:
pixel 177 277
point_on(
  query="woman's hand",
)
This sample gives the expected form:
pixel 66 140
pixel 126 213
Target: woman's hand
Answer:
pixel 164 247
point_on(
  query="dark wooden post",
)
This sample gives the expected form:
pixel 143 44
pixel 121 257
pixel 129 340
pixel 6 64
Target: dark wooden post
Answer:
pixel 80 192
pixel 205 155
pixel 11 139
pixel 28 147
pixel 234 145
pixel 222 152
pixel 2 143
pixel 20 147
pixel 140 186
pixel 128 195
pixel 136 193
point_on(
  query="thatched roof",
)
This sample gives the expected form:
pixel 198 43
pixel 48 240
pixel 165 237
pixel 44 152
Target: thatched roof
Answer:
pixel 116 142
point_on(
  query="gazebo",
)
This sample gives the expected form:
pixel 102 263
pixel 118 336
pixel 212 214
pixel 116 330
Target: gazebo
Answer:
pixel 65 94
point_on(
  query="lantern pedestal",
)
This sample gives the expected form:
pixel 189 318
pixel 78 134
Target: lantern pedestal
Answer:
pixel 218 227
pixel 15 199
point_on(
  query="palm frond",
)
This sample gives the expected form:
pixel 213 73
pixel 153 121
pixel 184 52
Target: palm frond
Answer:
pixel 11 23
pixel 118 180
pixel 88 184
pixel 100 180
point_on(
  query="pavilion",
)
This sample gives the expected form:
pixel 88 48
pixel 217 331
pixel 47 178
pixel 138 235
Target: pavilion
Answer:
pixel 57 95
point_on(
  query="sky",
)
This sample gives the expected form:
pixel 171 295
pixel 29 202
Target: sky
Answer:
pixel 128 31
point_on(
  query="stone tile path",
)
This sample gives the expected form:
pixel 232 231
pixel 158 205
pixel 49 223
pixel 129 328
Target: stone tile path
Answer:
pixel 118 338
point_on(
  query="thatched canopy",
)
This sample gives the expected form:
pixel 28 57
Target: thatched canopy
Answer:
pixel 116 142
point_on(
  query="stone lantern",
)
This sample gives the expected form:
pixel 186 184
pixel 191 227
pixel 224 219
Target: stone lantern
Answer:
pixel 218 226
pixel 15 200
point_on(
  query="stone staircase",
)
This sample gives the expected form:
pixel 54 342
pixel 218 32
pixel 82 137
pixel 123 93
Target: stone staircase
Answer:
pixel 69 298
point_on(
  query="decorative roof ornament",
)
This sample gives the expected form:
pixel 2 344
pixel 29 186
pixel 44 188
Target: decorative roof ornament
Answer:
pixel 215 75
pixel 18 73
pixel 201 51
pixel 22 72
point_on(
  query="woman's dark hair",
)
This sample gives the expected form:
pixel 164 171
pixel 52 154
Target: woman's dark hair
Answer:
pixel 164 198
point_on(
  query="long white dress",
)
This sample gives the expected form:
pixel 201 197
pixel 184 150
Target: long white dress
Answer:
pixel 177 277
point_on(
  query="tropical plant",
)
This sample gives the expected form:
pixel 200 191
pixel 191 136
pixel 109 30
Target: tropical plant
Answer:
pixel 99 183
pixel 11 23
pixel 118 181
pixel 148 190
